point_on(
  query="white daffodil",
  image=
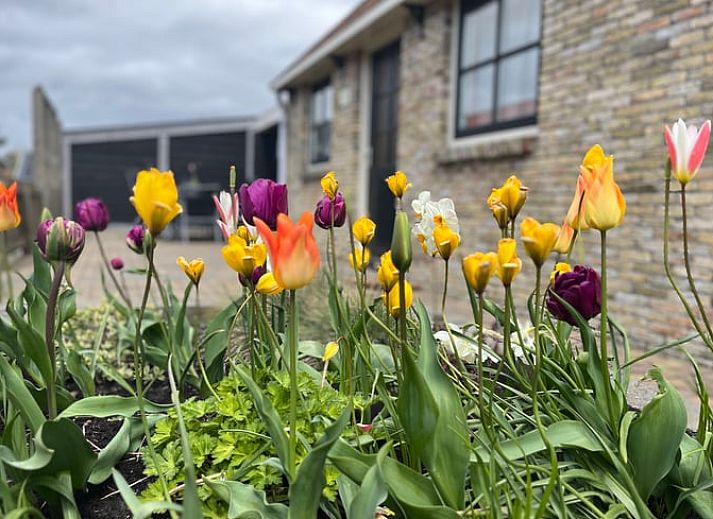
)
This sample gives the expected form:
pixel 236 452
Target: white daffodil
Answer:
pixel 431 214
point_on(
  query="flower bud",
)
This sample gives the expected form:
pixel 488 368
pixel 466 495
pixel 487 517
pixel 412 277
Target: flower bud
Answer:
pixel 135 239
pixel 60 240
pixel 268 285
pixel 580 288
pixel 117 263
pixel 328 208
pixel 364 229
pixel 92 214
pixel 401 253
pixel 398 184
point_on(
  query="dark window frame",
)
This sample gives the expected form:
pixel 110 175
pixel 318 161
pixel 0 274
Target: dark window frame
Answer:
pixel 467 6
pixel 313 157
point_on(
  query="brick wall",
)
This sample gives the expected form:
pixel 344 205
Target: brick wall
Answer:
pixel 613 72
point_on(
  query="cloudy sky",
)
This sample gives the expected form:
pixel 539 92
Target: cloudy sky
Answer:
pixel 125 61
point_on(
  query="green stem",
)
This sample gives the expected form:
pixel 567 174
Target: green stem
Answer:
pixel 445 319
pixel 536 324
pixel 402 308
pixel 49 339
pixel 481 337
pixel 6 267
pixel 292 342
pixel 603 328
pixel 687 263
pixel 124 296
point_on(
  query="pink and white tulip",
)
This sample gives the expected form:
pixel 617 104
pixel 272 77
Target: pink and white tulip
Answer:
pixel 686 148
pixel 227 206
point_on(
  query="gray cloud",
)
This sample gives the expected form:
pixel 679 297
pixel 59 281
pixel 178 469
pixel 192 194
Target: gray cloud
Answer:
pixel 116 62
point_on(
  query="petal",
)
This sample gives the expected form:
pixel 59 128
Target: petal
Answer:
pixel 700 145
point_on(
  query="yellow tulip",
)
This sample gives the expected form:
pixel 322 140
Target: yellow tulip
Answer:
pixel 268 285
pixel 330 350
pixel 363 230
pixel 193 269
pixel 156 199
pixel 512 194
pixel 500 213
pixel 509 265
pixel 330 184
pixel 575 213
pixel 363 256
pixel 398 184
pixel 604 205
pixel 446 240
pixel 560 268
pixel 242 257
pixel 563 243
pixel 394 301
pixel 243 232
pixel 538 239
pixel 478 268
pixel 387 273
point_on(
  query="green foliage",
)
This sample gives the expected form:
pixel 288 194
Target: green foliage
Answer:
pixel 230 441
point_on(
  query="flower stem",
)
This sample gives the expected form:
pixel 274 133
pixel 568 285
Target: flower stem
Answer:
pixel 536 324
pixel 445 319
pixel 687 263
pixel 292 343
pixel 402 308
pixel 481 338
pixel 124 296
pixel 603 332
pixel 49 339
pixel 6 266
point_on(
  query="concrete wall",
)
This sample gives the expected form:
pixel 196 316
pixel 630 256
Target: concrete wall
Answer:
pixel 613 72
pixel 47 151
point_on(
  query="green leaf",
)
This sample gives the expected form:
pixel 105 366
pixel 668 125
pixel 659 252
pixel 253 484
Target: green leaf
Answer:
pixel 269 416
pixel 80 373
pixel 246 502
pixel 72 453
pixel 433 418
pixel 140 509
pixel 39 459
pixel 372 492
pixel 655 435
pixel 306 490
pixel 103 406
pixel 21 396
pixel 32 343
pixel 214 348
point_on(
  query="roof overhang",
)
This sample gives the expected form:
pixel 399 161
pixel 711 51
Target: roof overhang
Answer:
pixel 382 23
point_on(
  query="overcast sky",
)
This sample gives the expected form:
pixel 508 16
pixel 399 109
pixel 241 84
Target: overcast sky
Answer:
pixel 125 61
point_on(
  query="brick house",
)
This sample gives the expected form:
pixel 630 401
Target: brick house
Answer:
pixel 460 94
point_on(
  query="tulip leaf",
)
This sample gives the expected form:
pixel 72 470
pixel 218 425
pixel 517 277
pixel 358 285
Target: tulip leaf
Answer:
pixel 306 490
pixel 372 492
pixel 658 429
pixel 246 502
pixel 33 344
pixel 140 509
pixel 103 406
pixel 433 418
pixel 214 348
pixel 20 396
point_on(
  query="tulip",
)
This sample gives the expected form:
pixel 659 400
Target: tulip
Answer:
pixel 565 235
pixel 446 240
pixel 478 268
pixel 686 149
pixel 401 253
pixel 581 289
pixel 398 184
pixel 263 199
pixel 243 257
pixel 268 285
pixel 604 205
pixel 193 269
pixel 363 256
pixel 227 207
pixel 538 239
pixel 560 268
pixel 394 301
pixel 575 213
pixel 328 208
pixel 9 212
pixel 330 350
pixel 293 251
pixel 512 195
pixel 364 230
pixel 244 233
pixel 387 274
pixel 330 184
pixel 509 265
pixel 60 240
pixel 156 199
pixel 92 214
pixel 117 263
pixel 135 239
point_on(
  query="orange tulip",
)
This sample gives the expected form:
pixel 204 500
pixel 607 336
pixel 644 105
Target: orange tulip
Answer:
pixel 293 251
pixel 563 244
pixel 604 205
pixel 575 214
pixel 9 212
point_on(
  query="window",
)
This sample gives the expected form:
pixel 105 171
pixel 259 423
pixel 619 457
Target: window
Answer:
pixel 320 123
pixel 498 64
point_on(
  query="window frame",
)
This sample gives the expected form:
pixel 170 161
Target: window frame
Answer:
pixel 321 85
pixel 466 7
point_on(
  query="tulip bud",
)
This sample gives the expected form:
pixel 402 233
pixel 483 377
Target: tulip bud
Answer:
pixel 401 253
pixel 398 184
pixel 328 209
pixel 117 263
pixel 135 239
pixel 60 240
pixel 92 214
pixel 268 285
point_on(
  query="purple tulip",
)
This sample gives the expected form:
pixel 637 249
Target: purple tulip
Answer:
pixel 135 239
pixel 117 263
pixel 60 240
pixel 323 212
pixel 263 199
pixel 92 214
pixel 581 289
pixel 254 278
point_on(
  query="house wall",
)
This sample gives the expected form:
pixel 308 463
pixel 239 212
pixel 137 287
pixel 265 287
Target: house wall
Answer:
pixel 613 72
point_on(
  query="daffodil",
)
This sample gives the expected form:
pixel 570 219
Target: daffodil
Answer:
pixel 430 214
